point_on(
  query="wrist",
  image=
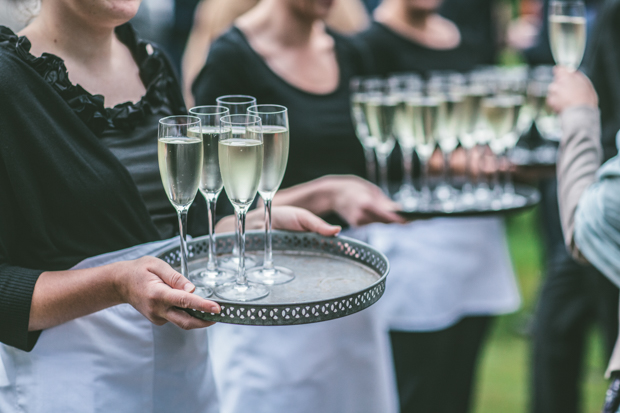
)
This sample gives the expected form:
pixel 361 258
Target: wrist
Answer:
pixel 113 277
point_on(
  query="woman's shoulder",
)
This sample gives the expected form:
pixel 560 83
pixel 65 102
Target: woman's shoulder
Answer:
pixel 232 45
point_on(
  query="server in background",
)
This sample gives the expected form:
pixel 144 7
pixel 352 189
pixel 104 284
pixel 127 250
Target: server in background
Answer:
pixel 449 277
pixel 281 53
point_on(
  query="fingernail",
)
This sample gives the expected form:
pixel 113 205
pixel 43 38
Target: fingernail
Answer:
pixel 189 287
pixel 215 309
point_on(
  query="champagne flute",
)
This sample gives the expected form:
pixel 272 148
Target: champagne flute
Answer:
pixel 379 111
pixel 498 112
pixel 468 138
pixel 274 120
pixel 180 156
pixel 361 128
pixel 241 163
pixel 210 187
pixel 424 113
pixel 567 32
pixel 236 105
pixel 450 88
pixel 403 87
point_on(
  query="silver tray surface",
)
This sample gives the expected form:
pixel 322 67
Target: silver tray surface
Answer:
pixel 334 277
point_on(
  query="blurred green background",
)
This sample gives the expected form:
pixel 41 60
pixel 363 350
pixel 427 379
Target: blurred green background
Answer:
pixel 503 375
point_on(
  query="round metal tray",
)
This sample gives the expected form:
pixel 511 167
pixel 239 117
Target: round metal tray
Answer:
pixel 530 197
pixel 334 277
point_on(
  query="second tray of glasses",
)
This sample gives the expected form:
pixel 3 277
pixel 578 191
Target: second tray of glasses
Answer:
pixel 334 277
pixel 526 197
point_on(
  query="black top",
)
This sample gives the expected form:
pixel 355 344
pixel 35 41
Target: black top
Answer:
pixel 394 53
pixel 64 196
pixel 322 138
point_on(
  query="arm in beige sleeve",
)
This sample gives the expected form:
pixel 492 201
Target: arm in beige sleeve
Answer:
pixel 579 158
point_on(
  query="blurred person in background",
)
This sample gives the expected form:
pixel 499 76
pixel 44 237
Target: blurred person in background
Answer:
pixel 214 17
pixel 574 296
pixel 450 276
pixel 281 53
pixel 588 195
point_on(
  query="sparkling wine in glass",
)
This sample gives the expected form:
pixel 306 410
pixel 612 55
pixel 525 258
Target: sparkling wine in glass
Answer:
pixel 402 87
pixel 274 119
pixel 361 128
pixel 180 155
pixel 241 164
pixel 210 187
pixel 236 105
pixel 424 113
pixel 498 112
pixel 567 32
pixel 379 111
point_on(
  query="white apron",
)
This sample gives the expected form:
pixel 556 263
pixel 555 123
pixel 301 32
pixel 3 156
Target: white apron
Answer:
pixel 112 361
pixel 444 269
pixel 338 366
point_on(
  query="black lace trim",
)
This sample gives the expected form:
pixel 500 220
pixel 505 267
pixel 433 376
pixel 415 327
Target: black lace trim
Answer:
pixel 162 89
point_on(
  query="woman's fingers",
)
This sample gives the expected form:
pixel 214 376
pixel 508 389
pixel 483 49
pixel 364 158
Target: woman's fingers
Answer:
pixel 171 277
pixel 299 219
pixel 182 299
pixel 184 320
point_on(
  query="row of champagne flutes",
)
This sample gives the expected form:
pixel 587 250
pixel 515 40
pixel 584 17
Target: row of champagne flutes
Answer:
pixel 242 147
pixel 489 107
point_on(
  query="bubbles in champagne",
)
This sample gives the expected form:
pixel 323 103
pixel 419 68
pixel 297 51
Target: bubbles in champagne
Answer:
pixel 180 161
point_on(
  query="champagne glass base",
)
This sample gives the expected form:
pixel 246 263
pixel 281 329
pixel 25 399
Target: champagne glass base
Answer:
pixel 210 278
pixel 232 262
pixel 204 292
pixel 270 276
pixel 241 292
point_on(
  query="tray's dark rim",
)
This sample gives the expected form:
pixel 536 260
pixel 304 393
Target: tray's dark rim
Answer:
pixel 296 321
pixel 382 277
pixel 532 194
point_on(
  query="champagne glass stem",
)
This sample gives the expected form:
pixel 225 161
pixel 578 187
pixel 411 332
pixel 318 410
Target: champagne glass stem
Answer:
pixel 426 190
pixel 371 165
pixel 211 263
pixel 407 168
pixel 182 214
pixel 508 184
pixel 241 277
pixel 383 172
pixel 268 264
pixel 446 167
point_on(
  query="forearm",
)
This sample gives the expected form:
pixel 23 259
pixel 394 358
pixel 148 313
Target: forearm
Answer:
pixel 578 160
pixel 316 196
pixel 60 296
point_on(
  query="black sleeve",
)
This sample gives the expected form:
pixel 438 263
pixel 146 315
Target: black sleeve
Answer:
pixel 227 71
pixel 16 282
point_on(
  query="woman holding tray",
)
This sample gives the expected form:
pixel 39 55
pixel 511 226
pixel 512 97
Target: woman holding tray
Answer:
pixel 448 276
pixel 81 99
pixel 281 53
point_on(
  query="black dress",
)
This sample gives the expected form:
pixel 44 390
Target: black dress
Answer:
pixel 394 53
pixel 76 179
pixel 322 137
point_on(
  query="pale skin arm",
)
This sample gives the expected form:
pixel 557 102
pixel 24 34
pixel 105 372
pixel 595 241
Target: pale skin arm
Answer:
pixel 149 284
pixel 357 201
pixel 283 217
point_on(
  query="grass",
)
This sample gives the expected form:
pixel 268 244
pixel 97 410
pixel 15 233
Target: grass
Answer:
pixel 503 377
